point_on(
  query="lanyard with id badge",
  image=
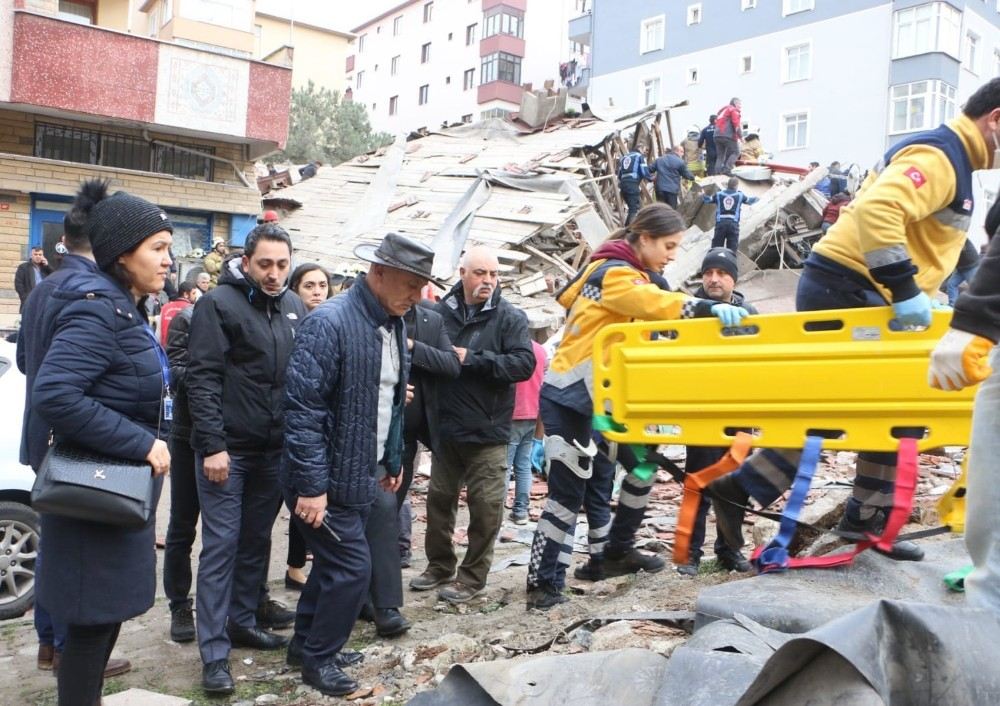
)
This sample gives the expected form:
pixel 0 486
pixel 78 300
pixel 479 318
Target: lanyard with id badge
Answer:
pixel 168 400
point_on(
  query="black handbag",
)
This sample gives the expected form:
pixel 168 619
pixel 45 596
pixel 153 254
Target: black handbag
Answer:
pixel 79 483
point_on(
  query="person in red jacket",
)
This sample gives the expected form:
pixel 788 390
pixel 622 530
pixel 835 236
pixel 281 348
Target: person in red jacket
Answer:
pixel 187 294
pixel 728 135
pixel 832 211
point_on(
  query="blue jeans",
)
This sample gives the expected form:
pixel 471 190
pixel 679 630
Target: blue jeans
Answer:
pixel 955 281
pixel 522 432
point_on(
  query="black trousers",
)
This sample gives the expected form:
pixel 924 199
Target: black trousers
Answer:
pixel 337 584
pixel 181 530
pixel 727 234
pixel 667 197
pixel 81 670
pixel 630 195
pixel 382 534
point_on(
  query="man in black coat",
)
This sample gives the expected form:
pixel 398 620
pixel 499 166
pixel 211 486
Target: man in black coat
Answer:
pixel 241 337
pixel 491 339
pixel 343 442
pixel 30 273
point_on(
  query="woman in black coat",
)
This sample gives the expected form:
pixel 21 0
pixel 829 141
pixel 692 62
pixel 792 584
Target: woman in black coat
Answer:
pixel 101 385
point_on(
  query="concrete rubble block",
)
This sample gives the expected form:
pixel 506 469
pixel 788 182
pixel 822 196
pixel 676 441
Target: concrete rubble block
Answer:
pixel 754 227
pixel 142 697
pixel 809 207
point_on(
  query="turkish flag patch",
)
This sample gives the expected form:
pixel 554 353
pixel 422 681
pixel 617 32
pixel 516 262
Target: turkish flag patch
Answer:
pixel 916 176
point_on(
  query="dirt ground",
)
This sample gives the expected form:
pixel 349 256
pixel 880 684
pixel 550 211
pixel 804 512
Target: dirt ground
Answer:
pixel 395 669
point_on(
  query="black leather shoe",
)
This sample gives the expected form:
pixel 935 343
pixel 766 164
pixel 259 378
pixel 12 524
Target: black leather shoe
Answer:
pixel 728 517
pixel 293 584
pixel 367 613
pixel 632 562
pixel 329 680
pixel 182 624
pixel 255 638
pixel 344 658
pixel 733 560
pixel 216 679
pixel 389 622
pixel 543 598
pixel 593 570
pixel 272 615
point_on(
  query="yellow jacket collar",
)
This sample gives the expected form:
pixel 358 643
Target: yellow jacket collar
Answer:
pixel 972 140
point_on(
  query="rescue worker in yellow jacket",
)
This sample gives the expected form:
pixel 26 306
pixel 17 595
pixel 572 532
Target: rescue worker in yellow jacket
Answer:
pixel 213 261
pixel 621 283
pixel 893 245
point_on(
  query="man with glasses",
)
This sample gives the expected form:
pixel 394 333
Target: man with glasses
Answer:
pixel 491 339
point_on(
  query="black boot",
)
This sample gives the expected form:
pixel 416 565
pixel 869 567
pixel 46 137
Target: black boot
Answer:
pixel 631 562
pixel 216 679
pixel 544 597
pixel 728 499
pixel 389 622
pixel 858 530
pixel 593 570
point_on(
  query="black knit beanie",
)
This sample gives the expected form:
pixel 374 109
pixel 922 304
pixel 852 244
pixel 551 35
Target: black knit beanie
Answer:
pixel 119 223
pixel 722 259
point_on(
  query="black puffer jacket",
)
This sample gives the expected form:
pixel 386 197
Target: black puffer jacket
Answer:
pixel 177 353
pixel 478 406
pixel 238 349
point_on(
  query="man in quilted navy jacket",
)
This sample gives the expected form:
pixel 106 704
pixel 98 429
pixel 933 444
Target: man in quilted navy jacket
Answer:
pixel 344 397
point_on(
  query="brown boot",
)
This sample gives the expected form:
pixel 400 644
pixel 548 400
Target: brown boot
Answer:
pixel 116 667
pixel 45 655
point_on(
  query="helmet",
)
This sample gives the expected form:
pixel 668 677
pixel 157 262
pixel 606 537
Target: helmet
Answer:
pixel 749 130
pixel 268 217
pixel 197 253
pixel 694 130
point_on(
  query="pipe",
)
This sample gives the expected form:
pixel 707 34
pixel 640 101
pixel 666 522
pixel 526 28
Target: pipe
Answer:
pixel 236 169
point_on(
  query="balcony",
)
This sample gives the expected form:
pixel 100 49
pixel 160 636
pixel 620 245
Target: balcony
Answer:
pixel 499 90
pixel 578 88
pixel 579 29
pixel 56 67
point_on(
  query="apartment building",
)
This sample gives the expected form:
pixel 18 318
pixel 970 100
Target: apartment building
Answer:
pixel 162 98
pixel 314 53
pixel 823 80
pixel 428 62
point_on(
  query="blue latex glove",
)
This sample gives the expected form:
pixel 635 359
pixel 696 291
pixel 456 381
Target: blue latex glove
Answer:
pixel 538 454
pixel 915 311
pixel 729 315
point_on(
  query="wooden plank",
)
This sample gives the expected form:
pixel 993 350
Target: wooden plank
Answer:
pixel 551 260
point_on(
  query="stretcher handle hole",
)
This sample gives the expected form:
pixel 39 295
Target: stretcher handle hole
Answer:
pixel 910 432
pixel 824 325
pixel 838 434
pixel 670 334
pixel 733 431
pixel 751 330
pixel 605 383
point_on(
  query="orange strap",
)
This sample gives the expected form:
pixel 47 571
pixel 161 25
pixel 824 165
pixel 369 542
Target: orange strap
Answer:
pixel 694 483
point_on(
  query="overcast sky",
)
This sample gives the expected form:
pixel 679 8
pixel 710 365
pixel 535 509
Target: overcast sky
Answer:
pixel 335 14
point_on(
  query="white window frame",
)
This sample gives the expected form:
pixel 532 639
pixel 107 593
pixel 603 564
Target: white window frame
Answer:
pixel 424 94
pixel 361 43
pixel 643 27
pixel 939 105
pixel 793 7
pixel 785 77
pixel 783 130
pixel 741 65
pixel 944 34
pixel 393 105
pixel 996 59
pixel 971 55
pixel 397 24
pixel 357 80
pixel 425 52
pixel 694 14
pixel 693 75
pixel 394 65
pixel 752 4
pixel 469 79
pixel 654 82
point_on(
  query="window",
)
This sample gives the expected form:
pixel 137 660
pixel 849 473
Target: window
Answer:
pixel 360 77
pixel 996 60
pixel 394 66
pixel 790 7
pixel 972 52
pixel 393 102
pixel 746 64
pixel 694 14
pixel 934 26
pixel 650 91
pixel 467 118
pixel 226 13
pixel 651 34
pixel 794 131
pixel 124 152
pixel 425 53
pixel 428 12
pixel 422 96
pixel 468 79
pixel 748 4
pixel 494 113
pixel 798 63
pixel 80 12
pixel 921 105
pixel 69 144
pixel 470 35
pixel 397 24
pixel 693 75
pixel 374 106
pixel 361 43
pixel 500 67
pixel 447 80
pixel 503 20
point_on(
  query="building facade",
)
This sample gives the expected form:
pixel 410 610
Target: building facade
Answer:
pixel 314 53
pixel 177 122
pixel 428 62
pixel 822 80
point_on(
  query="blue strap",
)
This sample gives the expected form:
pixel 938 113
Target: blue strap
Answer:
pixel 162 356
pixel 774 557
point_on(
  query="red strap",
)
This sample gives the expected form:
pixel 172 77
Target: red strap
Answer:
pixel 902 503
pixel 694 483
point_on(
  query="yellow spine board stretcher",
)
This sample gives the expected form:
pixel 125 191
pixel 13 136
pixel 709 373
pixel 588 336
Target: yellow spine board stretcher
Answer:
pixel 843 374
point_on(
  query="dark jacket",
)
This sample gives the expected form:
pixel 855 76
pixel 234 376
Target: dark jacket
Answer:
pixel 477 407
pixel 977 310
pixel 737 299
pixel 24 280
pixel 38 322
pixel 100 385
pixel 707 140
pixel 432 360
pixel 177 354
pixel 331 397
pixel 239 345
pixel 669 169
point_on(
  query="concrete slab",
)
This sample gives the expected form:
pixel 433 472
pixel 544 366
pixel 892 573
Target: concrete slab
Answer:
pixel 141 697
pixel 771 291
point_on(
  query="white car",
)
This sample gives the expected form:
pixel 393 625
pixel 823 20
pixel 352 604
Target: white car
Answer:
pixel 18 522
